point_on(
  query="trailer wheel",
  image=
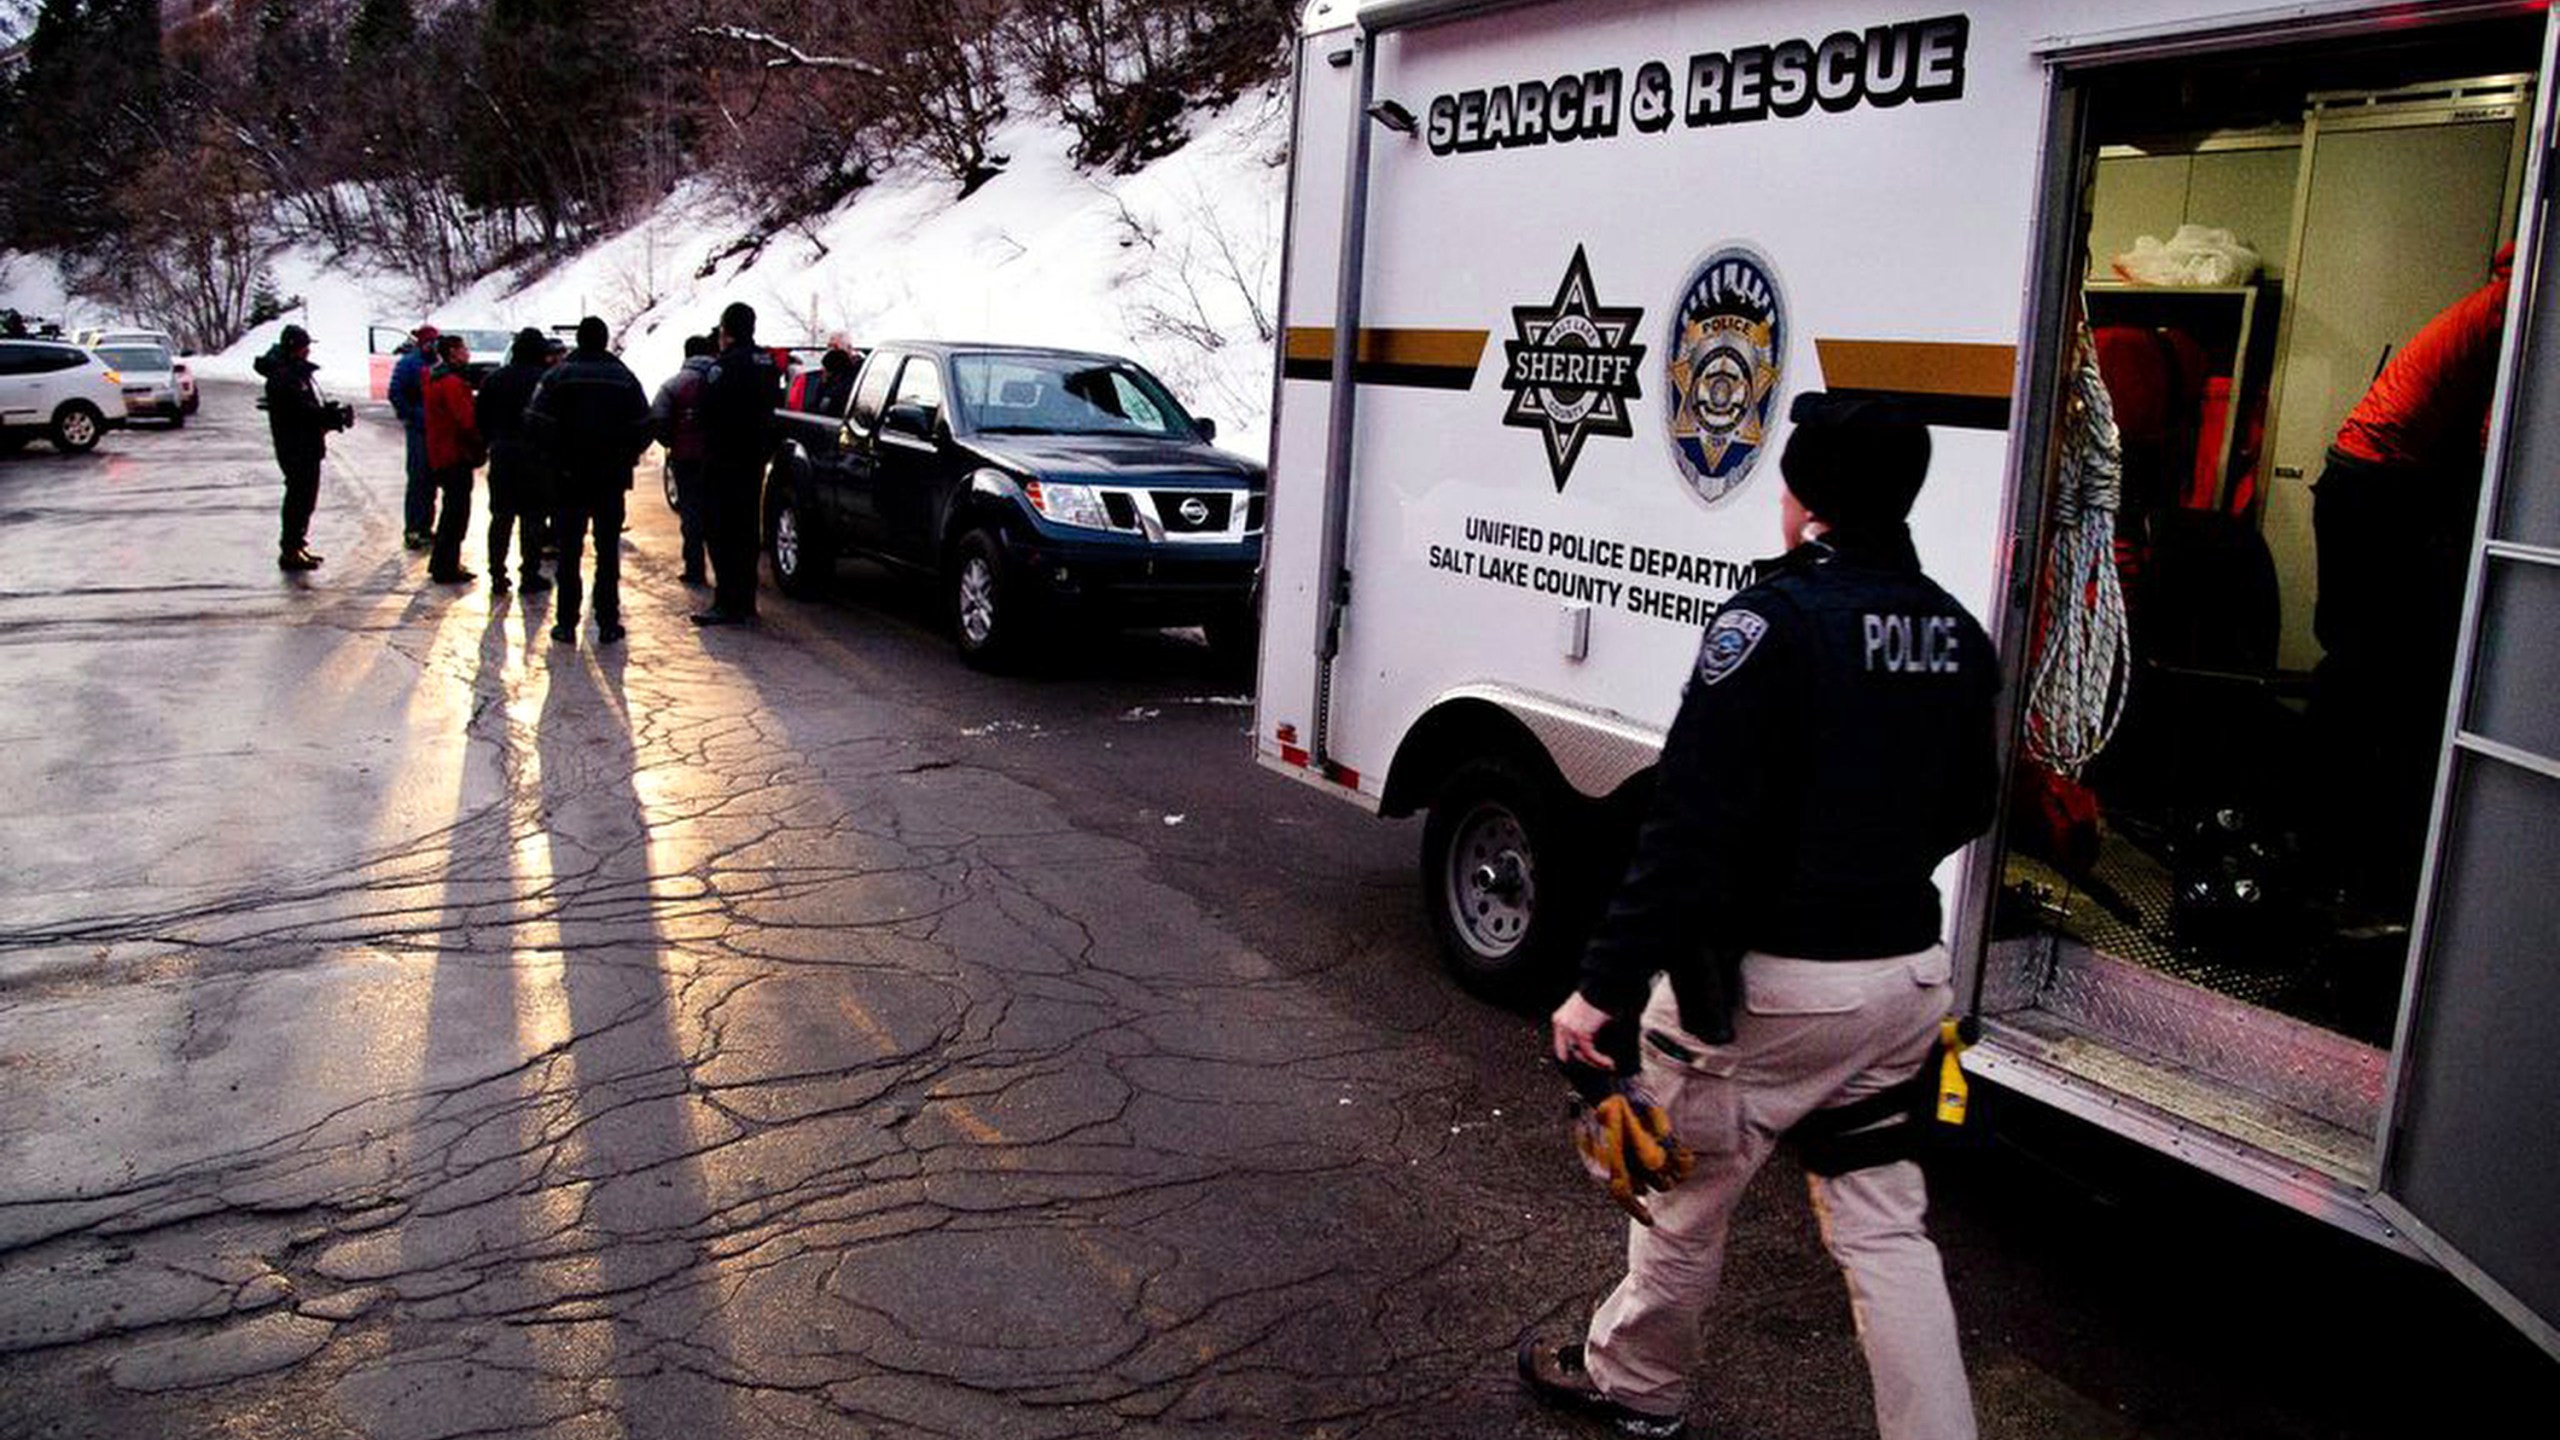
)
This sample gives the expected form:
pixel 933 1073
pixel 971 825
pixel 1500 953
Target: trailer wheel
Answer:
pixel 1503 880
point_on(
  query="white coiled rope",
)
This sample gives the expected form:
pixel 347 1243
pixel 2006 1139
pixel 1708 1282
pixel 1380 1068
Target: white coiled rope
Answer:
pixel 2081 676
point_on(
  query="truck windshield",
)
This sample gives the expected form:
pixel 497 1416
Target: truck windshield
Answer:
pixel 1063 395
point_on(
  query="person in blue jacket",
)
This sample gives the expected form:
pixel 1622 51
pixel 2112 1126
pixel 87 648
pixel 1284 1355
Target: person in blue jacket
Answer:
pixel 408 401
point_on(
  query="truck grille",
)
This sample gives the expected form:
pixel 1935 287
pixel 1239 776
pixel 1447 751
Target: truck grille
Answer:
pixel 1192 512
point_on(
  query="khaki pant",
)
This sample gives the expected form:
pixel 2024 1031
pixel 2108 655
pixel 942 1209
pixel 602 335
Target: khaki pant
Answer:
pixel 1808 1035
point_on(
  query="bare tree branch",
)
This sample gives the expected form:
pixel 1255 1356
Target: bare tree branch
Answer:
pixel 786 56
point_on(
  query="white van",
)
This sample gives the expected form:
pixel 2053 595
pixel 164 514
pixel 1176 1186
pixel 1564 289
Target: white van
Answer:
pixel 1577 258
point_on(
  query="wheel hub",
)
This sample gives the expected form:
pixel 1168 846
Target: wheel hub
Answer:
pixel 977 601
pixel 1493 887
pixel 786 541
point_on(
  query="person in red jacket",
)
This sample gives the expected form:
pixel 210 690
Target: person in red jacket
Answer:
pixel 454 450
pixel 2392 521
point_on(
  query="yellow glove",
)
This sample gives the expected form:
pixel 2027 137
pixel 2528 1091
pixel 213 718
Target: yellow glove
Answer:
pixel 1627 1145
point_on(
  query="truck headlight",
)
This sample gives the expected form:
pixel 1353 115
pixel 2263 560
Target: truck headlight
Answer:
pixel 1067 504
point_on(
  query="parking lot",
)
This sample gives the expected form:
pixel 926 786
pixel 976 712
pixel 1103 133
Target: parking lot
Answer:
pixel 412 1028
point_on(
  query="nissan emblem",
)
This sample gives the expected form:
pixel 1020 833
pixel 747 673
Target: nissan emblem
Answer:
pixel 1195 511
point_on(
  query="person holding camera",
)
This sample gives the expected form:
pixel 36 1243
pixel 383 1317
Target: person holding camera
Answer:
pixel 301 423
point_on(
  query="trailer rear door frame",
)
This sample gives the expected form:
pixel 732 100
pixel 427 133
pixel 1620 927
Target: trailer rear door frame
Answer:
pixel 2470 1166
pixel 2469 1172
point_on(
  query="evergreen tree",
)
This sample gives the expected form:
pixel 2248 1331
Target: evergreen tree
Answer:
pixel 89 96
pixel 381 33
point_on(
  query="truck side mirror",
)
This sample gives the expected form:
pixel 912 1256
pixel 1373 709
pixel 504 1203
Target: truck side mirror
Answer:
pixel 910 418
pixel 1207 427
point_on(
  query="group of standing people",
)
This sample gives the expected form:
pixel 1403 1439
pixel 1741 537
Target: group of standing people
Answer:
pixel 561 434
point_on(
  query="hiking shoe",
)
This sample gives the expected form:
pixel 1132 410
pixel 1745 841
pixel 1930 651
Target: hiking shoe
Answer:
pixel 296 560
pixel 1555 1375
pixel 565 634
pixel 416 539
pixel 608 631
pixel 453 577
pixel 536 583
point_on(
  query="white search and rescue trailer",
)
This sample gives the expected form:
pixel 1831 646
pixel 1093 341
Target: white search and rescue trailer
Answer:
pixel 1579 257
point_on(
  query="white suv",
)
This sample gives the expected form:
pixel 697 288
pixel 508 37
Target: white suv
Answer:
pixel 59 391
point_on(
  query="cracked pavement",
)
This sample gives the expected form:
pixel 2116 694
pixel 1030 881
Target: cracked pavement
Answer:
pixel 410 1028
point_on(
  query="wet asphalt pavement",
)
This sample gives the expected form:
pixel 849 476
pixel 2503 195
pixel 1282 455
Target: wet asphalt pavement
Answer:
pixel 412 1028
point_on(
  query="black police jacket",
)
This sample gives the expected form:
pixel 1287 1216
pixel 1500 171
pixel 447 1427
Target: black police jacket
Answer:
pixel 1835 742
pixel 739 394
pixel 499 409
pixel 591 419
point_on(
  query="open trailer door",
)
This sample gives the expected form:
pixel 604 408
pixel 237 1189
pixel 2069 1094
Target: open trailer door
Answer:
pixel 2471 1158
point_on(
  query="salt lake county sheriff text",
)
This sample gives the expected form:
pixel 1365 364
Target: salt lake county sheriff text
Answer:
pixel 1911 60
pixel 1608 554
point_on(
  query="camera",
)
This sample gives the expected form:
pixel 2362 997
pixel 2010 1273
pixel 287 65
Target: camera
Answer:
pixel 340 415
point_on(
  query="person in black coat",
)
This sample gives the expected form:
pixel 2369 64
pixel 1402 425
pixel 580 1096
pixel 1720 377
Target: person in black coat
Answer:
pixel 1771 961
pixel 519 475
pixel 591 418
pixel 739 396
pixel 300 422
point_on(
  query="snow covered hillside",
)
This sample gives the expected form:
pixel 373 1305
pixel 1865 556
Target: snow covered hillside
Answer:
pixel 1176 266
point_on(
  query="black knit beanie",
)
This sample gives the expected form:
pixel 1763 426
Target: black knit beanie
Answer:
pixel 1855 461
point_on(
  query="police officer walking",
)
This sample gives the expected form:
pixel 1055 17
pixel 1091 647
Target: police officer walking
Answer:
pixel 1776 938
pixel 738 398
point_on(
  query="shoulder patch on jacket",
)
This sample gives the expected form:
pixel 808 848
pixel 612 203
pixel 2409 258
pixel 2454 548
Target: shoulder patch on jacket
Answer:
pixel 1729 642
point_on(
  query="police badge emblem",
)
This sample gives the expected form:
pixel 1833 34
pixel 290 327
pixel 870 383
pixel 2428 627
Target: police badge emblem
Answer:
pixel 1729 642
pixel 1574 368
pixel 1727 361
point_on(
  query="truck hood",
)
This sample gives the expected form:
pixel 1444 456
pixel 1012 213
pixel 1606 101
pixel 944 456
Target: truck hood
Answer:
pixel 1114 459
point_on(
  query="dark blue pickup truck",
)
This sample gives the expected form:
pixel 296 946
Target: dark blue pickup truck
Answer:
pixel 1035 485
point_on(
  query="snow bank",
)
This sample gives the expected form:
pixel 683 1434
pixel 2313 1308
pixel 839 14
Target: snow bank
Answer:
pixel 1176 266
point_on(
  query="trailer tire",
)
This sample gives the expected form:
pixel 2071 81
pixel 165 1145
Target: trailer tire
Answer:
pixel 1504 880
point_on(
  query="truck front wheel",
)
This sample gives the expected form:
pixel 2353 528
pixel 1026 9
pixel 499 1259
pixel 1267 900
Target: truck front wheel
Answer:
pixel 987 622
pixel 1506 881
